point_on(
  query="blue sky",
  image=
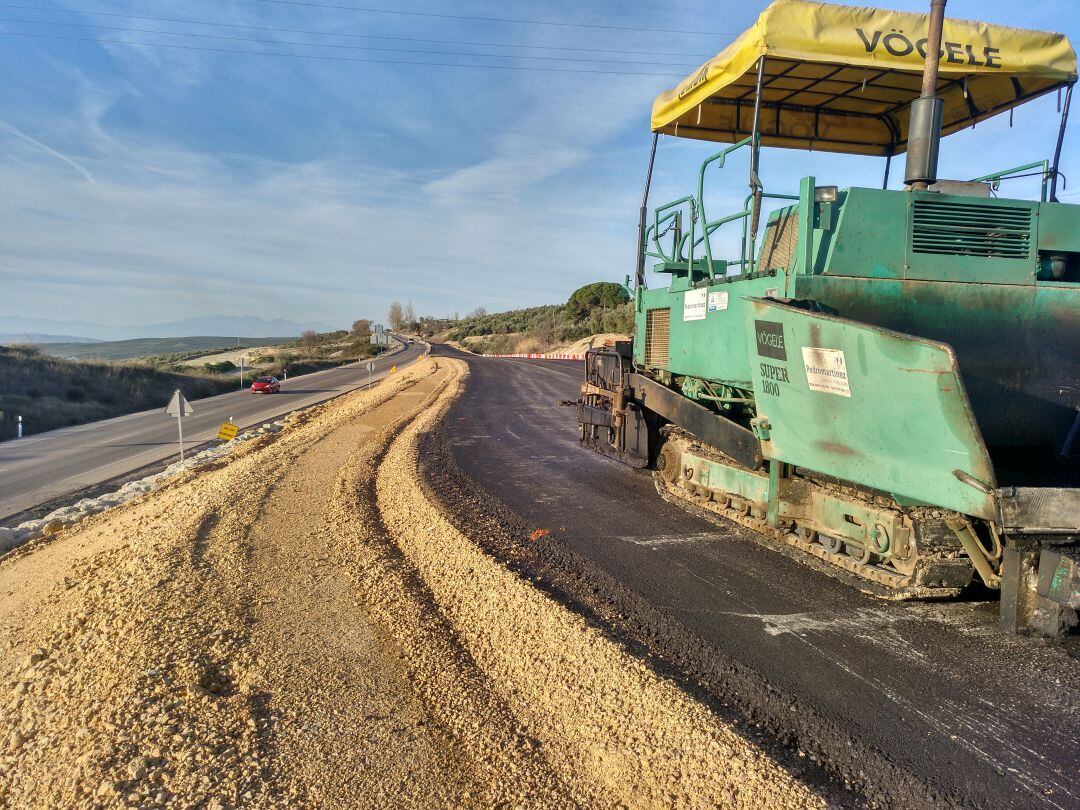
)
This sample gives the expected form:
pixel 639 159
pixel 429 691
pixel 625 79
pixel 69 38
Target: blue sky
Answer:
pixel 147 184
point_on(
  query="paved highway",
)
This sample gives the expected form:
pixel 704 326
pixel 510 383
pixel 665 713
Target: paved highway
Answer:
pixel 914 704
pixel 45 466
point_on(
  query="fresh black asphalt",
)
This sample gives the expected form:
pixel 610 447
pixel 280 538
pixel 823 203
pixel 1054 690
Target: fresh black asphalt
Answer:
pixel 909 703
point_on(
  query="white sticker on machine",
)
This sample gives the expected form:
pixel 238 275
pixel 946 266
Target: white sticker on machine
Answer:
pixel 693 305
pixel 717 301
pixel 826 370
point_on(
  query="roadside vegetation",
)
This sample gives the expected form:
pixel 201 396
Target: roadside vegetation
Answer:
pixel 51 392
pixel 314 351
pixel 176 347
pixel 598 308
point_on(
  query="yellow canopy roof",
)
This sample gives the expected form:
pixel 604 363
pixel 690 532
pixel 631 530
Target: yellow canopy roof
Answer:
pixel 842 78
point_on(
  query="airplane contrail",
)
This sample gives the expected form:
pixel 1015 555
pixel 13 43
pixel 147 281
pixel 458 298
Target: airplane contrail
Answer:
pixel 59 155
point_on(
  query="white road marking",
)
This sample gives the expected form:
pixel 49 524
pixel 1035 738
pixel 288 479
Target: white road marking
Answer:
pixel 776 624
pixel 659 540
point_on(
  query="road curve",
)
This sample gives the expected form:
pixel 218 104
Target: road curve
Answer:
pixel 913 704
pixel 45 466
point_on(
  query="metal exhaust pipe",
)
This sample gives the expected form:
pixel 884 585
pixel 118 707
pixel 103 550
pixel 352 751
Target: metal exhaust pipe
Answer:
pixel 924 125
pixel 639 274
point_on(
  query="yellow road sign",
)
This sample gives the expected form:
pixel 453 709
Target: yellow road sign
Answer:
pixel 393 369
pixel 228 431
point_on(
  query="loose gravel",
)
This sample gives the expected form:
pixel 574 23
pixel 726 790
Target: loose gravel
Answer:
pixel 28 531
pixel 296 624
pixel 607 721
pixel 206 645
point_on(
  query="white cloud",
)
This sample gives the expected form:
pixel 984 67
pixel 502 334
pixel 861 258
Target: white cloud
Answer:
pixel 166 233
pixel 320 191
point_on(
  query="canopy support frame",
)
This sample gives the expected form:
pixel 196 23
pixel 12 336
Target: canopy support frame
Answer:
pixel 814 64
pixel 639 276
pixel 1060 141
pixel 755 155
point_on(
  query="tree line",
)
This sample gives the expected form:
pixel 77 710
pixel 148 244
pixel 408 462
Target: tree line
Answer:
pixel 594 308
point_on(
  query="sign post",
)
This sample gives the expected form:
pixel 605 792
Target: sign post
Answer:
pixel 179 408
pixel 241 372
pixel 370 368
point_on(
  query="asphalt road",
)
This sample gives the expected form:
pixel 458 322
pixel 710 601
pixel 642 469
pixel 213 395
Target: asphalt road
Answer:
pixel 45 466
pixel 927 692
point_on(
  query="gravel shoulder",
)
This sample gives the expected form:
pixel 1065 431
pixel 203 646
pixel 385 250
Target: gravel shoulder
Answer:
pixel 208 645
pixel 616 732
pixel 300 626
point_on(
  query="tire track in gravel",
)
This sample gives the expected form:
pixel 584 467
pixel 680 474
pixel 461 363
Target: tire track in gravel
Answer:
pixel 299 626
pixel 209 646
pixel 608 721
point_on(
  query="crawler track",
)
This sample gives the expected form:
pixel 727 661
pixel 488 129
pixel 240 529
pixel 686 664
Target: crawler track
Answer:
pixel 935 569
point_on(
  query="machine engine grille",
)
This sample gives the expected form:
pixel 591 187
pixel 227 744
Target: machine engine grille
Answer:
pixel 970 229
pixel 781 239
pixel 657 337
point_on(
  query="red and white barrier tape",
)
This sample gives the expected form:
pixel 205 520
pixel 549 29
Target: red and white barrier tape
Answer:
pixel 541 356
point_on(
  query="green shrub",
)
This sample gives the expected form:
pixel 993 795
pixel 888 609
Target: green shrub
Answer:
pixel 220 367
pixel 599 307
pixel 597 296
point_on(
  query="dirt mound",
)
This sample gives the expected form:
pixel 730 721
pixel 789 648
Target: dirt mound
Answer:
pixel 521 343
pixel 591 342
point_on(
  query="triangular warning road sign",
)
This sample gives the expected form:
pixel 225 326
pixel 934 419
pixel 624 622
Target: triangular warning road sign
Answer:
pixel 178 405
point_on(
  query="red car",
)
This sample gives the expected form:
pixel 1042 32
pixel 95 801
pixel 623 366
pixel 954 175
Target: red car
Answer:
pixel 265 385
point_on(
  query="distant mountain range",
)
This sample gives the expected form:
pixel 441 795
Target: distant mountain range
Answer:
pixel 18 329
pixel 147 347
pixel 37 337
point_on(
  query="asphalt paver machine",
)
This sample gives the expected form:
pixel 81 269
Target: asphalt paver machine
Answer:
pixel 884 383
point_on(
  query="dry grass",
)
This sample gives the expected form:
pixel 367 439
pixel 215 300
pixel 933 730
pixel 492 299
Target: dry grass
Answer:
pixel 52 393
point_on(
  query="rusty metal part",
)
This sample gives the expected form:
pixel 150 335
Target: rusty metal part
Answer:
pixel 924 130
pixel 1040 510
pixel 933 48
pixel 730 437
pixel 1059 577
pixel 610 421
pixel 1040 590
pixel 833 545
pixel 978 555
pixel 860 554
pixel 669 462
